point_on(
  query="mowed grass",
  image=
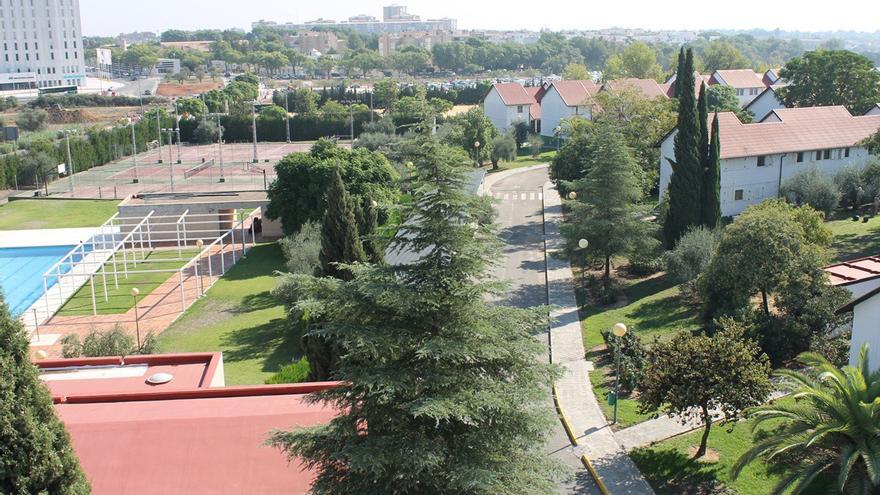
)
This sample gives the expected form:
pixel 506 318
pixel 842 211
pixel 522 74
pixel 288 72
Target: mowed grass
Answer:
pixel 669 468
pixel 854 240
pixel 240 317
pixel 523 161
pixel 28 214
pixel 120 300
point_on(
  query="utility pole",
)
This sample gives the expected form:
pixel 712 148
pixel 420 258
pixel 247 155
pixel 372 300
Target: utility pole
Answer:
pixel 371 106
pixel 254 117
pixel 69 162
pixel 134 152
pixel 287 114
pixel 220 148
pixel 177 126
pixel 159 129
pixel 351 123
pixel 170 155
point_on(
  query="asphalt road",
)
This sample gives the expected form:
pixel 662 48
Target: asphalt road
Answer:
pixel 137 88
pixel 520 207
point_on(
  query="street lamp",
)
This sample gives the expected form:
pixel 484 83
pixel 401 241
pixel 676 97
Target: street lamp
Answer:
pixel 171 154
pixel 70 170
pixel 133 151
pixel 583 244
pixel 477 152
pixel 254 118
pixel 572 195
pixel 135 292
pixel 619 331
pixel 287 114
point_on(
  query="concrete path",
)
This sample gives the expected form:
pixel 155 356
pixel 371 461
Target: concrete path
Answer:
pixel 576 396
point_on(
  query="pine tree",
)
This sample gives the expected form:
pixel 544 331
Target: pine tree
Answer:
pixel 445 390
pixel 36 456
pixel 687 174
pixel 340 242
pixel 711 210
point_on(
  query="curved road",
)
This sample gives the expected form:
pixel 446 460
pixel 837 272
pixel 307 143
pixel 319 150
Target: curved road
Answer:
pixel 520 207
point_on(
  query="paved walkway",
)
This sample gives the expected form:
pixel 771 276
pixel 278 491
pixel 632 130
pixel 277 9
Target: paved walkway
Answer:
pixel 576 396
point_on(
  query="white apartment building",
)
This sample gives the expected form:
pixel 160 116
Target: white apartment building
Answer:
pixel 40 44
pixel 756 159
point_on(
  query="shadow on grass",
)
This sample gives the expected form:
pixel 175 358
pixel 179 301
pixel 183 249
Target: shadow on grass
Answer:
pixel 256 302
pixel 662 313
pixel 274 342
pixel 671 472
pixel 852 246
pixel 262 260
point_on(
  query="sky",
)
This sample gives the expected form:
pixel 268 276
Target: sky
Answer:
pixel 112 17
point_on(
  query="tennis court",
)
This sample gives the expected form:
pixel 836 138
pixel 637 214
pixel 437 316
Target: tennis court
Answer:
pixel 201 168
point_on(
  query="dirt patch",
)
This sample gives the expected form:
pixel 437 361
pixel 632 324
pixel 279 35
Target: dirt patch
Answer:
pixel 187 89
pixel 711 456
pixel 458 110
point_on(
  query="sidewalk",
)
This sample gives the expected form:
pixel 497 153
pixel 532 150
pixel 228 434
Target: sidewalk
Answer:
pixel 576 397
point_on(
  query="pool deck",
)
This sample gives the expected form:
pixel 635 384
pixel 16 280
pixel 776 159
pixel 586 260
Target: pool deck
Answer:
pixel 46 237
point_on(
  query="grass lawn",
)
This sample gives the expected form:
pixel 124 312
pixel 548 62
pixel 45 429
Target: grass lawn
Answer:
pixel 120 300
pixel 523 161
pixel 239 317
pixel 55 213
pixel 855 239
pixel 670 470
pixel 602 379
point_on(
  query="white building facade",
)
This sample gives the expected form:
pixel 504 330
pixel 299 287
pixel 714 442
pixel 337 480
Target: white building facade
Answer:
pixel 757 159
pixel 564 100
pixel 41 44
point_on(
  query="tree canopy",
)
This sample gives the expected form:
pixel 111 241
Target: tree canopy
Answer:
pixel 831 77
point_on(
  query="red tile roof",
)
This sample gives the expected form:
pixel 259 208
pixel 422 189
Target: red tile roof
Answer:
pixel 514 94
pixel 647 87
pixel 535 107
pixel 576 93
pixel 800 129
pixel 851 272
pixel 740 78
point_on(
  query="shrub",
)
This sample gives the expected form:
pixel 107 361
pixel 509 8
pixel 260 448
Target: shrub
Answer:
pixel 503 148
pixel 8 103
pixel 207 132
pixel 811 187
pixel 302 249
pixel 871 179
pixel 114 342
pixel 849 183
pixel 292 373
pixel 536 144
pixel 692 254
pixel 632 356
pixel 32 119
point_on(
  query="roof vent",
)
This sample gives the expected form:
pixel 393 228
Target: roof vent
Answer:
pixel 160 378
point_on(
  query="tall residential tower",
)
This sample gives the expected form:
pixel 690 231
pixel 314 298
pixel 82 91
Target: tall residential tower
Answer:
pixel 41 44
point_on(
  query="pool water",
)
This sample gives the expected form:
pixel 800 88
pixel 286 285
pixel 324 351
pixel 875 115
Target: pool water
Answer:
pixel 21 273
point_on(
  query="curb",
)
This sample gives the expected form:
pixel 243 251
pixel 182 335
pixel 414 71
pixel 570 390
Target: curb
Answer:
pixel 598 479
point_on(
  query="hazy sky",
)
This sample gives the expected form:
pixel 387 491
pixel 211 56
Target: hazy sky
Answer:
pixel 106 17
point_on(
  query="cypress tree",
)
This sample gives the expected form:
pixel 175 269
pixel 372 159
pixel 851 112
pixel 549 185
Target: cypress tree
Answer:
pixel 703 120
pixel 445 391
pixel 368 226
pixel 678 71
pixel 36 456
pixel 711 210
pixel 687 174
pixel 340 242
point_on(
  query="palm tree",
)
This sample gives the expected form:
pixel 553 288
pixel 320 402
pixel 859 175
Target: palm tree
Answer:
pixel 833 426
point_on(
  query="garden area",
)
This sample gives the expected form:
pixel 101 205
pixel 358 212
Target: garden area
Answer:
pixel 28 214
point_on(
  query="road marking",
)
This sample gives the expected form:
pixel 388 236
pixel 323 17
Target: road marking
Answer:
pixel 531 196
pixel 506 196
pixel 518 196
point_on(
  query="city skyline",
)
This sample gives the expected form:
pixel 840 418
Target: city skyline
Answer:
pixel 100 18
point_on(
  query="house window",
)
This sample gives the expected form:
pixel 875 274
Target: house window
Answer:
pixel 740 92
pixel 800 157
pixel 818 155
pixel 846 152
pixel 738 195
pixel 827 154
pixel 762 161
pixel 519 109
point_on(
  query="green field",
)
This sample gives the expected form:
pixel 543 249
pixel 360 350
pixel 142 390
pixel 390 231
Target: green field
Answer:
pixel 670 470
pixel 240 317
pixel 855 239
pixel 523 161
pixel 55 213
pixel 120 300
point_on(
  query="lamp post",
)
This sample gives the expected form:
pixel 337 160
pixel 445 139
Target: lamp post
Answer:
pixel 170 155
pixel 220 147
pixel 583 244
pixel 287 114
pixel 254 119
pixel 619 331
pixel 69 161
pixel 177 128
pixel 477 152
pixel 137 326
pixel 572 195
pixel 134 152
pixel 159 128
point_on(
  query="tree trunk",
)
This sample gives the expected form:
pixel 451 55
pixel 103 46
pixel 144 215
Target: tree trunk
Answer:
pixel 707 419
pixel 607 271
pixel 765 302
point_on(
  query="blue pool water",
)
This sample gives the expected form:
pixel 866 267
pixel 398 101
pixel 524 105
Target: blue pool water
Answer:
pixel 21 273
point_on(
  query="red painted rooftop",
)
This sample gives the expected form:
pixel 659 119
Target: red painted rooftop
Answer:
pixel 851 272
pixel 184 436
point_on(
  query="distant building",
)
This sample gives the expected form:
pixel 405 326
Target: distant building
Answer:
pixel 757 158
pixel 764 103
pixel 510 103
pixel 198 46
pixel 395 20
pixel 42 46
pixel 391 42
pixel 747 83
pixel 167 66
pixel 309 42
pixel 138 37
pixel 565 99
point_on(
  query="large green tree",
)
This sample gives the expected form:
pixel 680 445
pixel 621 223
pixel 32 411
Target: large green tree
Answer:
pixel 299 194
pixel 473 132
pixel 607 212
pixel 722 54
pixel 685 194
pixel 830 432
pixel 36 456
pixel 704 377
pixel 831 77
pixel 444 390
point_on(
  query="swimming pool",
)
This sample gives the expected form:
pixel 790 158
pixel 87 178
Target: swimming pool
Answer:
pixel 21 273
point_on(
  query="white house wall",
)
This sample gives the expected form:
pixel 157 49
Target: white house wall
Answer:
pixel 501 115
pixel 554 110
pixel 764 104
pixel 875 110
pixel 859 289
pixel 759 183
pixel 866 330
